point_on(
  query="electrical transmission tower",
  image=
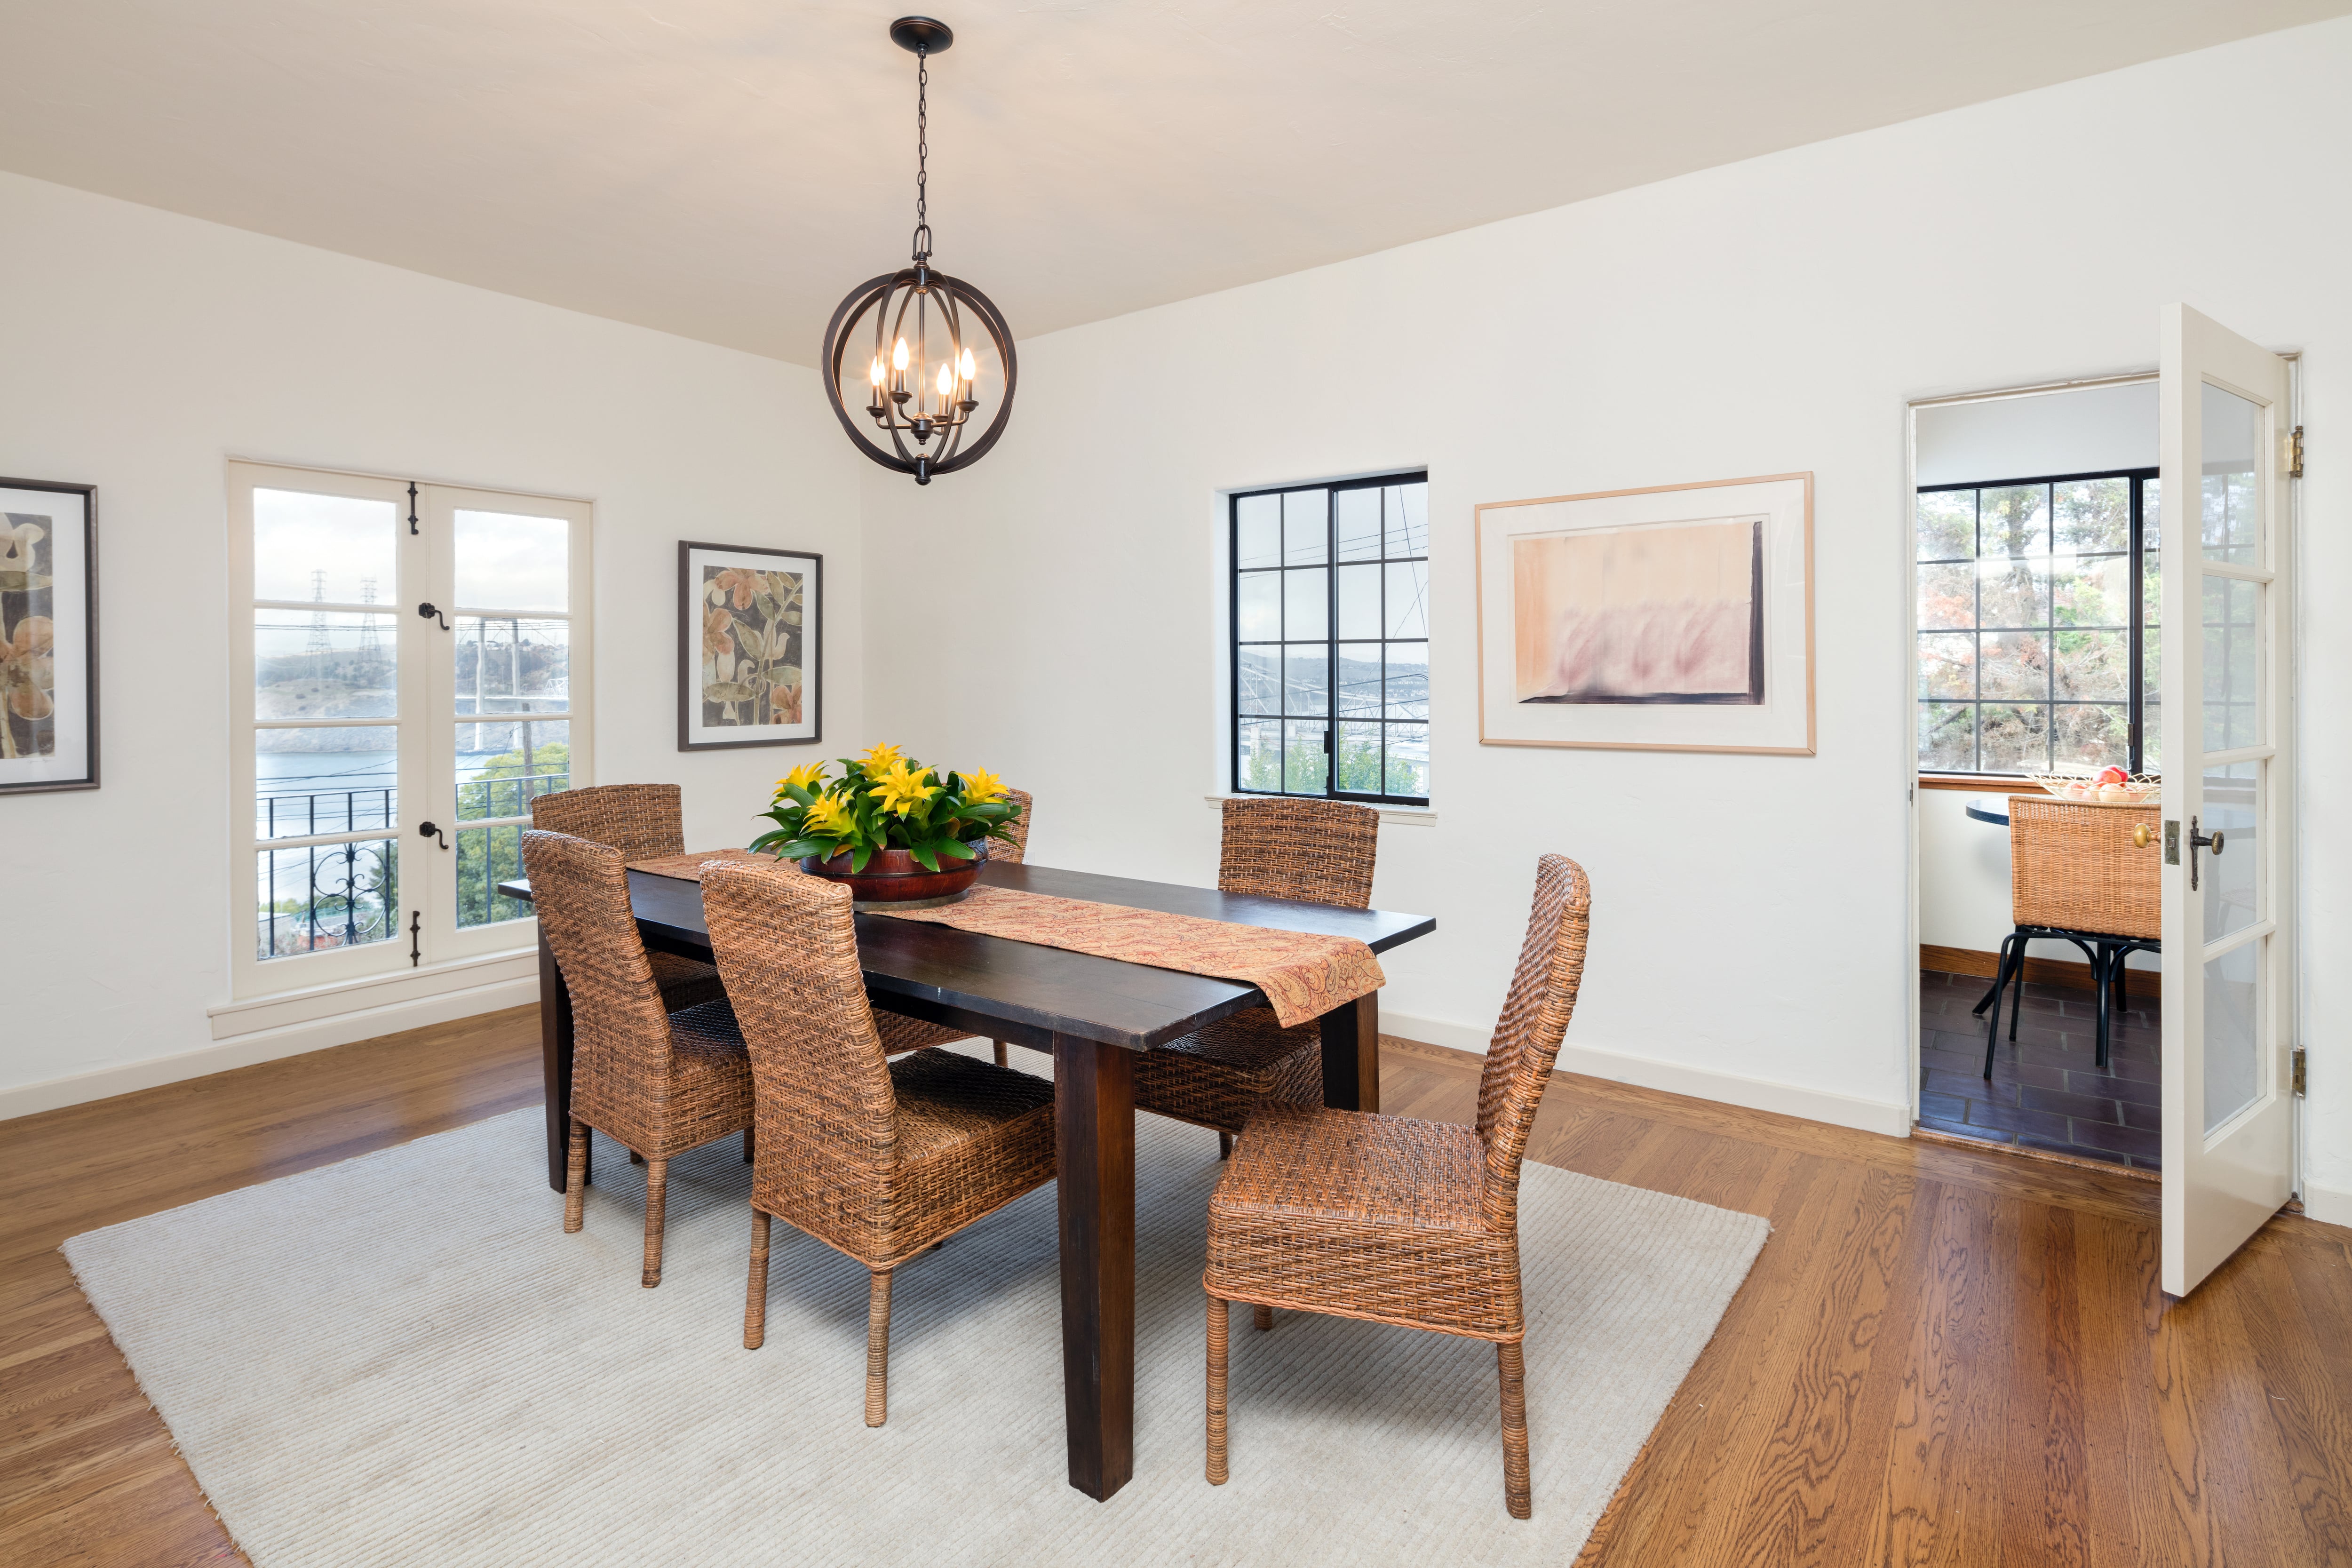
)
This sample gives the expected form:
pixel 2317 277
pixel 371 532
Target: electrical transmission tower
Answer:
pixel 371 651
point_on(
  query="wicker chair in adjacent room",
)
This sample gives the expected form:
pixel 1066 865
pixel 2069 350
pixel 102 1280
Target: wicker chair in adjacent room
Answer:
pixel 656 1081
pixel 644 822
pixel 1401 1221
pixel 880 1160
pixel 2083 874
pixel 1316 851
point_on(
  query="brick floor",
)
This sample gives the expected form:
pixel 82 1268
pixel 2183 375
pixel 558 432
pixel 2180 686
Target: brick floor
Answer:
pixel 2044 1092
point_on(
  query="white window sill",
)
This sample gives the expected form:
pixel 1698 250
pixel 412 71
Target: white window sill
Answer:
pixel 1425 815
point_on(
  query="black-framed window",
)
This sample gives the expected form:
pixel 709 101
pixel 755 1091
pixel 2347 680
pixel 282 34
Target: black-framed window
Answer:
pixel 1331 617
pixel 2038 607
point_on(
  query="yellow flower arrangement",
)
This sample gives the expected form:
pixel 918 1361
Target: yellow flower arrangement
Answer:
pixel 887 800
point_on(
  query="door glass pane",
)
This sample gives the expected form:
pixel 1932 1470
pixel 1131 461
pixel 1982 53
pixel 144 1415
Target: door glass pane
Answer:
pixel 1356 515
pixel 1948 525
pixel 1260 672
pixel 324 664
pixel 1306 680
pixel 1359 759
pixel 1408 759
pixel 1261 756
pixel 487 857
pixel 2233 673
pixel 1306 604
pixel 1355 684
pixel 512 665
pixel 1260 527
pixel 501 766
pixel 1260 607
pixel 1305 527
pixel 334 549
pixel 1359 601
pixel 2231 883
pixel 336 780
pixel 326 896
pixel 1305 766
pixel 2232 1032
pixel 1407 688
pixel 1408 599
pixel 509 563
pixel 2231 525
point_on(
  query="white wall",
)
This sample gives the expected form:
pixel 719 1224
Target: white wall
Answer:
pixel 139 351
pixel 1963 863
pixel 1059 617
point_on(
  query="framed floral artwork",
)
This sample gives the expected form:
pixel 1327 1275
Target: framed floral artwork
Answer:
pixel 49 637
pixel 750 646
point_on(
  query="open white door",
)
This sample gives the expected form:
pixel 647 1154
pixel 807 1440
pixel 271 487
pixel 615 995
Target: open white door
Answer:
pixel 2228 728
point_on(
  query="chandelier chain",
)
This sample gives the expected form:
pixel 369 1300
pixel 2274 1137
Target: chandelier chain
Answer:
pixel 922 151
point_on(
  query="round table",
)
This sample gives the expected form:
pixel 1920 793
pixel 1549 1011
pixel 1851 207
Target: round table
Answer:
pixel 1992 808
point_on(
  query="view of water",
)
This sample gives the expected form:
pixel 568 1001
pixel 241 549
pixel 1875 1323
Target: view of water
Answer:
pixel 302 793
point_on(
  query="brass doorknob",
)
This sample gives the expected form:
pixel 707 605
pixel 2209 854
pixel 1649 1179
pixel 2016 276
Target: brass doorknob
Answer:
pixel 2141 837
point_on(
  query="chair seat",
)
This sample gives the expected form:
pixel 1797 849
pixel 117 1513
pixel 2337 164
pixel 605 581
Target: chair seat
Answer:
pixel 900 1033
pixel 685 982
pixel 709 1086
pixel 1362 1216
pixel 1217 1077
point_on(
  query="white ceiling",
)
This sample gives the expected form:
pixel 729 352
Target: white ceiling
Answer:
pixel 726 169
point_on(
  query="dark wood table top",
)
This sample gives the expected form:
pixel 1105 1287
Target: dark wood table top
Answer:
pixel 1021 990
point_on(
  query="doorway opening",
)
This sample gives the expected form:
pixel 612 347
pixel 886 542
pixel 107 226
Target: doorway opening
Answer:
pixel 2037 599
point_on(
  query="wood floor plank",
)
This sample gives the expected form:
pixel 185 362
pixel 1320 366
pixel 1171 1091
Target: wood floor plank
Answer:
pixel 1943 1355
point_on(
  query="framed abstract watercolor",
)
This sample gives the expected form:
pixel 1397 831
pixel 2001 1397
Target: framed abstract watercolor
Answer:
pixel 751 666
pixel 1678 618
pixel 49 637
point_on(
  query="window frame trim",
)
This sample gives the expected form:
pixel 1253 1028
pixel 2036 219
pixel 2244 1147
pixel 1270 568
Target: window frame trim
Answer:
pixel 1331 640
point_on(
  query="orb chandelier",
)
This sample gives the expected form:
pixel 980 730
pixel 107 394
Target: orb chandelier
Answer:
pixel 926 352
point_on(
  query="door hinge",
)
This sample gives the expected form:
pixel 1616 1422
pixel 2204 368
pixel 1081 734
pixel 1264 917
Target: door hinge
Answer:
pixel 2294 454
pixel 2297 1059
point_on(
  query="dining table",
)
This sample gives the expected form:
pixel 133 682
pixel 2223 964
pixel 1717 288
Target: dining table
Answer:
pixel 1094 1016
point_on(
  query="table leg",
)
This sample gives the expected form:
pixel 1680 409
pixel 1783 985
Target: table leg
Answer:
pixel 1352 1055
pixel 555 1059
pixel 1094 1108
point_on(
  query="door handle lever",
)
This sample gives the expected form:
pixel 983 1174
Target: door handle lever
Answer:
pixel 432 830
pixel 2201 841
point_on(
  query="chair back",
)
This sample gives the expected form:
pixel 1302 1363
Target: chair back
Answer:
pixel 1528 1035
pixel 644 822
pixel 787 949
pixel 2074 867
pixel 1316 851
pixel 581 891
pixel 1013 854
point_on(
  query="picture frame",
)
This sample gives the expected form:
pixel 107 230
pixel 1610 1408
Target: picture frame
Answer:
pixel 750 630
pixel 49 637
pixel 1666 618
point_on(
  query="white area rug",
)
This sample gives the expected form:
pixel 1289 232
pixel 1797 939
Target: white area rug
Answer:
pixel 402 1359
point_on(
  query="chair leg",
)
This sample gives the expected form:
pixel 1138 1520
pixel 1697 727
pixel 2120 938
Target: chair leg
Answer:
pixel 1512 1365
pixel 1262 1318
pixel 1219 1323
pixel 2099 984
pixel 2000 980
pixel 657 1192
pixel 755 1297
pixel 1000 1052
pixel 748 1145
pixel 2017 990
pixel 877 1348
pixel 1224 1145
pixel 575 1177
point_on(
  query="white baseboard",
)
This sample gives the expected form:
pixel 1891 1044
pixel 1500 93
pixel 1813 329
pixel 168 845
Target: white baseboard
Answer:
pixel 2327 1205
pixel 1891 1117
pixel 267 1044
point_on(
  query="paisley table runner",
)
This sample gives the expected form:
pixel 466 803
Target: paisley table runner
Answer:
pixel 1303 973
pixel 688 868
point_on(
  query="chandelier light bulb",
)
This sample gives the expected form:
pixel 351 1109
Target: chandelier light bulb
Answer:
pixel 905 425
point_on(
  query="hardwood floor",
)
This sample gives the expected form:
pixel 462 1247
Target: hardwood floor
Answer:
pixel 1945 1355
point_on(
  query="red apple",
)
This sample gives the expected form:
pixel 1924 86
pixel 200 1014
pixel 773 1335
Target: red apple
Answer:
pixel 2113 775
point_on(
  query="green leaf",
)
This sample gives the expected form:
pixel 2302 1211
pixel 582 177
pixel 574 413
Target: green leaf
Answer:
pixel 953 849
pixel 857 861
pixel 924 856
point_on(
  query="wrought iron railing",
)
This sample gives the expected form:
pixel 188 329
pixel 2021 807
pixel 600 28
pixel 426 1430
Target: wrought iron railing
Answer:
pixel 343 895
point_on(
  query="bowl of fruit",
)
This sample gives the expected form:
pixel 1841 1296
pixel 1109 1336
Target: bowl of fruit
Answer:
pixel 2109 786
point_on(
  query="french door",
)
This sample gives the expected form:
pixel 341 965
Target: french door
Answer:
pixel 412 667
pixel 2227 739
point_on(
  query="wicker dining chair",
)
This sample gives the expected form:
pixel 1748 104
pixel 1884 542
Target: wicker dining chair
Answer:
pixel 879 1160
pixel 644 822
pixel 656 1081
pixel 1402 1221
pixel 1314 851
pixel 2083 874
